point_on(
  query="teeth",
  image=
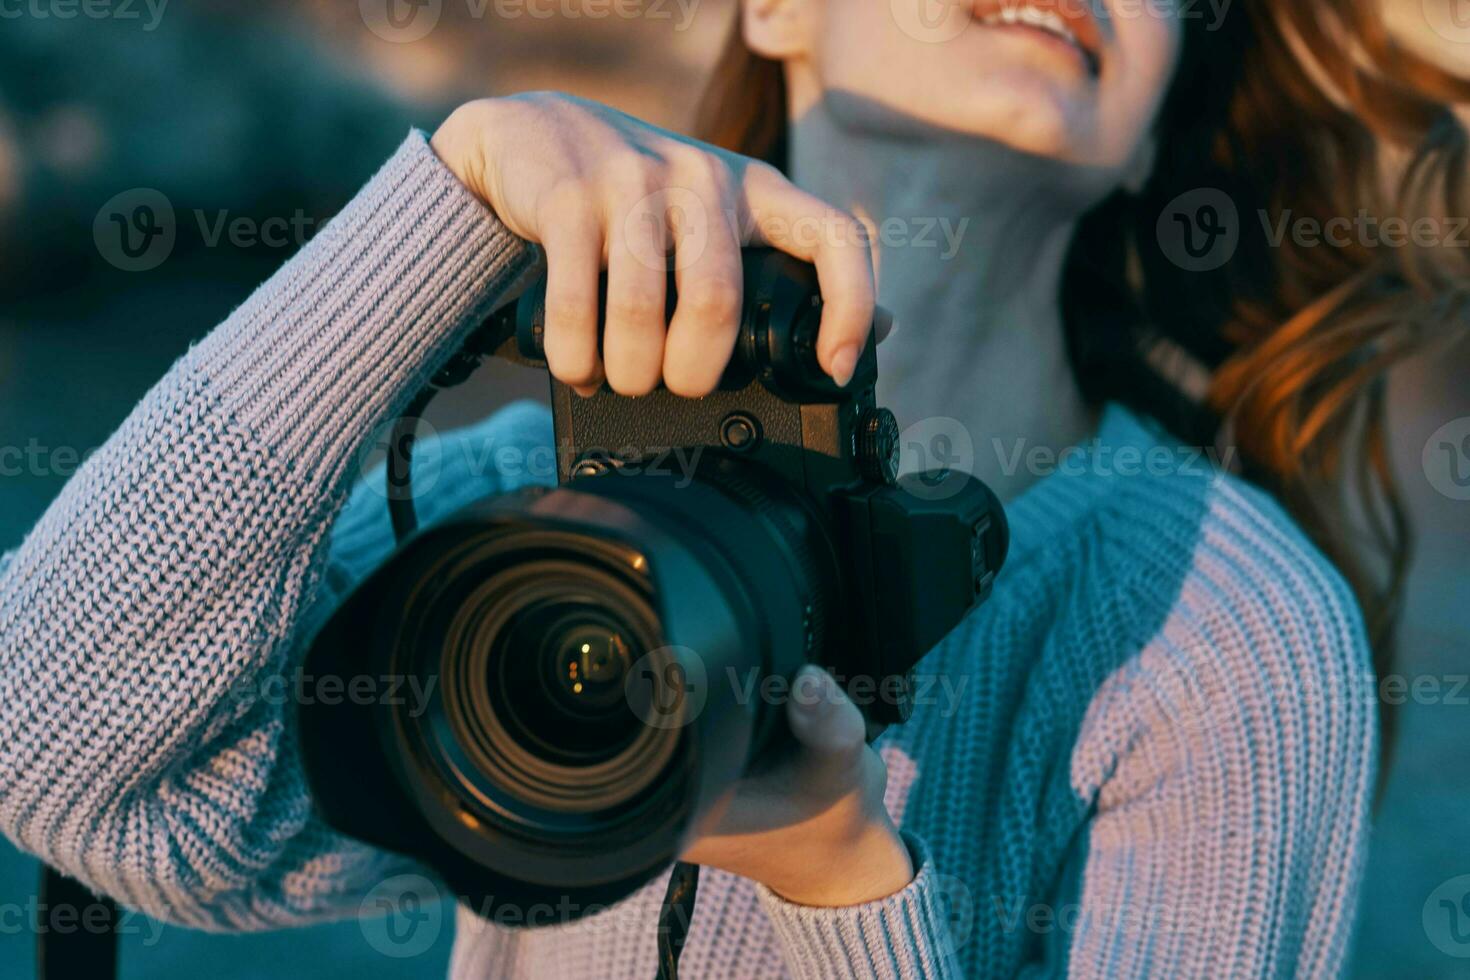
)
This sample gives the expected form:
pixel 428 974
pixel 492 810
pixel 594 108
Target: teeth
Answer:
pixel 1046 20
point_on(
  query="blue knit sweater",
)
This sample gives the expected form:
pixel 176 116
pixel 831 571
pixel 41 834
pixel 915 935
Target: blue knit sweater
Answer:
pixel 1145 756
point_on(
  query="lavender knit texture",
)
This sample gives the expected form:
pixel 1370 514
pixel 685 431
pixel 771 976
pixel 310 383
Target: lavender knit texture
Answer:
pixel 1146 756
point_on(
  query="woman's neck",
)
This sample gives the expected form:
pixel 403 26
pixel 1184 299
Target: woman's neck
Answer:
pixel 971 246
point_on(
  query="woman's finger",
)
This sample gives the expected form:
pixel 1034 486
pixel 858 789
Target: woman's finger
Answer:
pixel 710 280
pixel 573 241
pixel 637 281
pixel 804 226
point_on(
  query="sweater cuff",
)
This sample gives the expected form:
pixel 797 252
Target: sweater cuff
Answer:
pixel 342 337
pixel 905 935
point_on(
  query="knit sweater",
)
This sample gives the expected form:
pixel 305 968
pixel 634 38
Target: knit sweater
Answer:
pixel 1144 756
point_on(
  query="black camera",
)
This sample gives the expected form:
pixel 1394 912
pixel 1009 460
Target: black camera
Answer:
pixel 596 651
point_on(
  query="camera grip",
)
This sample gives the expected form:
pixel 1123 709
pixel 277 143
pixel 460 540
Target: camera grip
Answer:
pixel 779 322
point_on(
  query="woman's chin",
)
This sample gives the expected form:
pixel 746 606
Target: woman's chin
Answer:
pixel 1033 110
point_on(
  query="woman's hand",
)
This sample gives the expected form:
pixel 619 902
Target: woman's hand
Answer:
pixel 814 829
pixel 597 188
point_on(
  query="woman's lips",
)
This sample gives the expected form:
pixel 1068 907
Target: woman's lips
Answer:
pixel 1070 22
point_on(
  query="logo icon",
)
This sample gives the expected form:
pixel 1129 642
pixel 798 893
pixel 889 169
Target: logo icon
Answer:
pixel 1450 19
pixel 683 213
pixel 402 916
pixel 135 231
pixel 667 687
pixel 1188 688
pixel 418 443
pixel 1447 459
pixel 1199 230
pixel 401 21
pixel 1446 917
pixel 957 904
pixel 939 453
pixel 930 21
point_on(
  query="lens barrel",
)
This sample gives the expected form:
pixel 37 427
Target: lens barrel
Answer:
pixel 591 656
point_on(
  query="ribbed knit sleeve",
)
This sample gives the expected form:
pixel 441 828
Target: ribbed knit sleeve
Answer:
pixel 1230 760
pixel 170 575
pixel 902 937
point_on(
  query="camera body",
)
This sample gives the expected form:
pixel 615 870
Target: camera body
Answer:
pixel 910 557
pixel 594 649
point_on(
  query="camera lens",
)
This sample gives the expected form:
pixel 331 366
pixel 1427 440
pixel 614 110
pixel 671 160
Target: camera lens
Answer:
pixel 538 713
pixel 584 654
pixel 558 672
pixel 591 664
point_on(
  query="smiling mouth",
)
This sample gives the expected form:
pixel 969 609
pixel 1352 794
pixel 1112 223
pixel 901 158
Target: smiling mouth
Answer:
pixel 1064 20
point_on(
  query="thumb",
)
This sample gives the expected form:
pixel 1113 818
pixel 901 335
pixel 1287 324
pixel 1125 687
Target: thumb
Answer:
pixel 823 720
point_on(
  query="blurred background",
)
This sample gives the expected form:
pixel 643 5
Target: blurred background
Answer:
pixel 256 122
pixel 274 113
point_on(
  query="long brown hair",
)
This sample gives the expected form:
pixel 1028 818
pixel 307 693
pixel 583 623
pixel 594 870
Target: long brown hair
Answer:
pixel 1306 108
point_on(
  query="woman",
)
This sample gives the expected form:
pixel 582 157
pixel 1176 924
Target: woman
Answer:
pixel 1155 761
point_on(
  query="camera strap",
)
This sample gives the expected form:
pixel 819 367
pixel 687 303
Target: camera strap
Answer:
pixel 90 951
pixel 674 918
